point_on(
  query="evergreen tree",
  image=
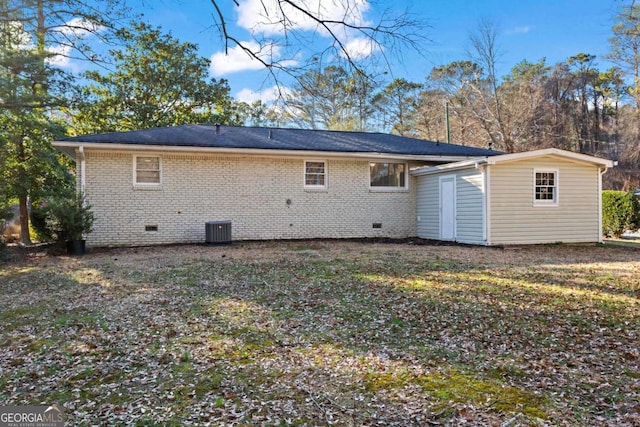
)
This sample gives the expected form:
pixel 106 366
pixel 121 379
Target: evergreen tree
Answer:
pixel 157 81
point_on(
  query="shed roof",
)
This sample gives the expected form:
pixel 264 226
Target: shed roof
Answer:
pixel 281 139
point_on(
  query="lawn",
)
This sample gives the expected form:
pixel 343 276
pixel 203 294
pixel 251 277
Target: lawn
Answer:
pixel 326 333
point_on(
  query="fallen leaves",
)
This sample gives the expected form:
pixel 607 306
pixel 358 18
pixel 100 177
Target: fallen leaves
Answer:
pixel 326 333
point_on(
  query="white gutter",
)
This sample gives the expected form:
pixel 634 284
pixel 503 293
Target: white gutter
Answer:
pixel 82 169
pixel 601 172
pixel 449 167
pixel 253 151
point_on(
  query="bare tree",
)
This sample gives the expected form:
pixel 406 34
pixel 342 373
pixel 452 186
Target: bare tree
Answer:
pixel 455 85
pixel 486 53
pixel 331 99
pixel 285 33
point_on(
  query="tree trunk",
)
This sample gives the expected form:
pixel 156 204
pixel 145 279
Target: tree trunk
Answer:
pixel 25 238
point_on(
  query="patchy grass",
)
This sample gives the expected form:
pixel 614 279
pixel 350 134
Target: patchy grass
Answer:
pixel 324 333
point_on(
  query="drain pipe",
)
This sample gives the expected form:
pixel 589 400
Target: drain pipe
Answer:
pixel 601 171
pixel 82 168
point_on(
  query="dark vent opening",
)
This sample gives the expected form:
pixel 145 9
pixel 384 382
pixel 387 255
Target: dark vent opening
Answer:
pixel 150 228
pixel 377 225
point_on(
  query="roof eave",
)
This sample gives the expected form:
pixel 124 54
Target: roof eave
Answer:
pixel 68 147
pixel 551 152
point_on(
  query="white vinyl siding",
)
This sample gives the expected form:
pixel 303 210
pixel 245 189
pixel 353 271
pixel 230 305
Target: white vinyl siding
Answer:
pixel 469 206
pixel 428 206
pixel 515 220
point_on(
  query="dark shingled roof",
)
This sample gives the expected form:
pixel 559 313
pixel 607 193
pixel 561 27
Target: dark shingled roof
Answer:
pixel 282 139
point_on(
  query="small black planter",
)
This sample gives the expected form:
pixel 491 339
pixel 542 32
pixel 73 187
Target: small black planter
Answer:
pixel 76 247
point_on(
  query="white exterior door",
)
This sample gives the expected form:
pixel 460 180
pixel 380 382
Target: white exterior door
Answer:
pixel 448 207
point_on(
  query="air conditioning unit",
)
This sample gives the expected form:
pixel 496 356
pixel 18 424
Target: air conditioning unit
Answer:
pixel 217 232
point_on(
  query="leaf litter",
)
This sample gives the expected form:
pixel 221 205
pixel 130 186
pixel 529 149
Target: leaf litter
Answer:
pixel 326 333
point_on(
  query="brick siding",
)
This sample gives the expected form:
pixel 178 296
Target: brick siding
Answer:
pixel 251 192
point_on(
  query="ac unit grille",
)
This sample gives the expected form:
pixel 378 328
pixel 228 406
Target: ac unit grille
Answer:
pixel 217 232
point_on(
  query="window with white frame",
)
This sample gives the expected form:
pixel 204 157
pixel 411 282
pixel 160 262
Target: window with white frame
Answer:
pixel 147 170
pixel 315 174
pixel 545 187
pixel 388 175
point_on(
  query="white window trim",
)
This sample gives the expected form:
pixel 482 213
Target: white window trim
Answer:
pixel 547 203
pixel 382 189
pixel 326 175
pixel 146 185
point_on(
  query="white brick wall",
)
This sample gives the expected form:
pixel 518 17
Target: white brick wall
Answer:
pixel 249 191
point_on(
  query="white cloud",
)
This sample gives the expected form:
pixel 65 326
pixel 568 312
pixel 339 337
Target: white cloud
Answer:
pixel 235 60
pixel 273 19
pixel 265 95
pixel 76 28
pixel 79 28
pixel 268 16
pixel 60 56
pixel 360 48
pixel 519 30
pixel 239 60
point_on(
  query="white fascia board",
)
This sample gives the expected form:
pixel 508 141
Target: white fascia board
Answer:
pixel 69 147
pixel 465 164
pixel 551 152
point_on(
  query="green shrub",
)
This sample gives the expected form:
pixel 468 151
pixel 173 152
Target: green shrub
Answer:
pixel 38 222
pixel 620 213
pixel 68 218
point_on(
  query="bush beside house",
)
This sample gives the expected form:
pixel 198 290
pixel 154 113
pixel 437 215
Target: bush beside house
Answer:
pixel 66 218
pixel 620 213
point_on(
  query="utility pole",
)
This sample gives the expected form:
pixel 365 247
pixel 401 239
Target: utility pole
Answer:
pixel 446 116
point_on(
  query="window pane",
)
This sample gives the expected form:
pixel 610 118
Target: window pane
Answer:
pixel 545 186
pixel 550 179
pixel 148 177
pixel 148 170
pixel 315 167
pixel 314 173
pixel 148 163
pixel 387 174
pixel 314 180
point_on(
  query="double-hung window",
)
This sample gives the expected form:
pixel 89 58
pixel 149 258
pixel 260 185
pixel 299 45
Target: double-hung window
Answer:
pixel 147 171
pixel 545 187
pixel 315 174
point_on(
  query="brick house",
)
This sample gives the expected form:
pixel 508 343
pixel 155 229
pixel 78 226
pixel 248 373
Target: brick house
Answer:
pixel 162 185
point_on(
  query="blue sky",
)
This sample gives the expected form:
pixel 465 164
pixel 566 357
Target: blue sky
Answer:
pixel 554 29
